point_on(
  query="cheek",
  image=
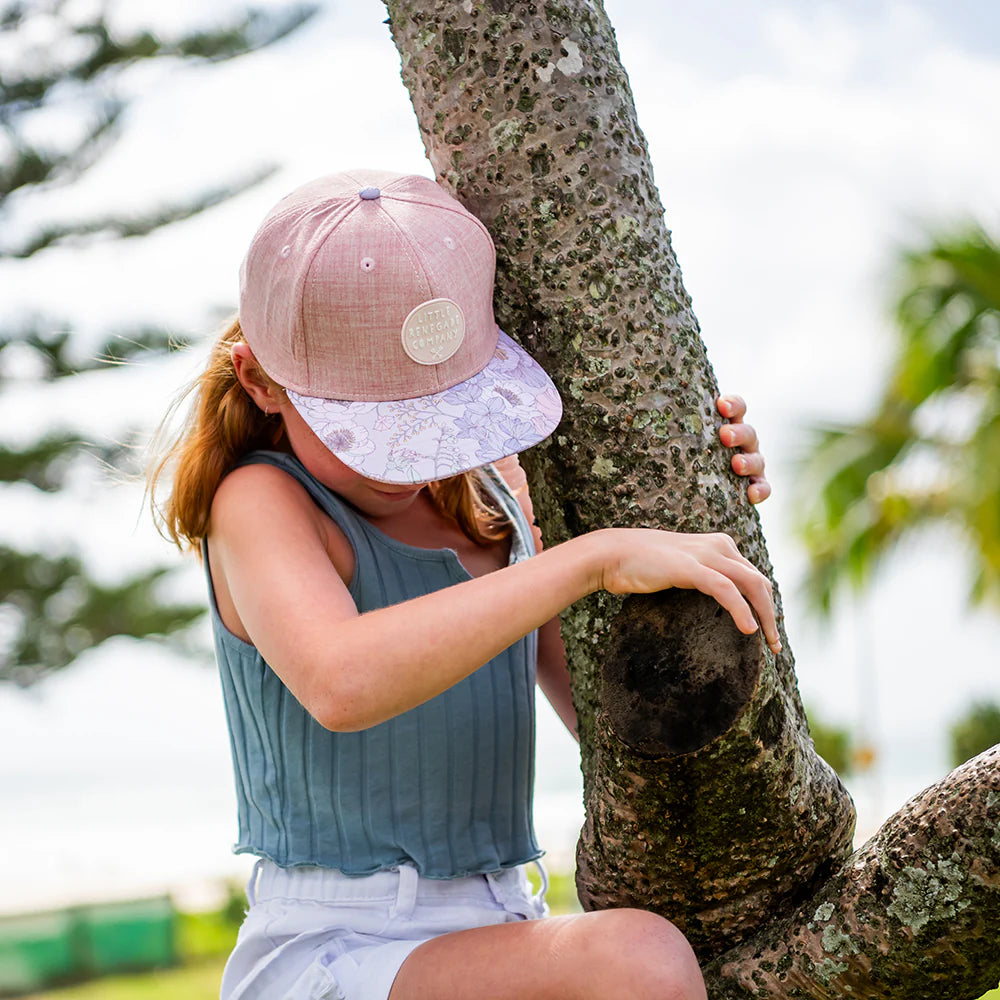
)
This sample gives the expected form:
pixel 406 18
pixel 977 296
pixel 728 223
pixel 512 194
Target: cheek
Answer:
pixel 316 457
pixel 326 467
pixel 307 447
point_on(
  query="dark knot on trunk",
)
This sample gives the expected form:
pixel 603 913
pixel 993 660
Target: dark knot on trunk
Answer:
pixel 678 672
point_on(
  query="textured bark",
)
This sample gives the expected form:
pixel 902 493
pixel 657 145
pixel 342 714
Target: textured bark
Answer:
pixel 710 805
pixel 912 915
pixel 705 799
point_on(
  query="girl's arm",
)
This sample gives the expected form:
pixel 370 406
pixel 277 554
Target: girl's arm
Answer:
pixel 553 674
pixel 351 671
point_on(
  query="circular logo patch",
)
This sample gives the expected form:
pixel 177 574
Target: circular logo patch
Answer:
pixel 434 331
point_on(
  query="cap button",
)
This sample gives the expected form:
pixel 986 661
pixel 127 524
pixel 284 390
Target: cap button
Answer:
pixel 370 193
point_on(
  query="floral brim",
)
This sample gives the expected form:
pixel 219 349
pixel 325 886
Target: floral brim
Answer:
pixel 506 408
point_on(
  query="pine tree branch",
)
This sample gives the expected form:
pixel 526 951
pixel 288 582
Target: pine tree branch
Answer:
pixel 51 341
pixel 256 29
pixel 51 611
pixel 127 226
pixel 33 165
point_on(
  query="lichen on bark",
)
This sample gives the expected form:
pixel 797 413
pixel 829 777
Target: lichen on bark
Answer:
pixel 912 915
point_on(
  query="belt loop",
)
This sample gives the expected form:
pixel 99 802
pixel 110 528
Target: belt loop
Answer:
pixel 406 892
pixel 539 897
pixel 512 891
pixel 496 888
pixel 252 883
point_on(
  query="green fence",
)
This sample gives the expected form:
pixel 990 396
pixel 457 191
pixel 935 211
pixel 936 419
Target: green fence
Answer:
pixel 40 949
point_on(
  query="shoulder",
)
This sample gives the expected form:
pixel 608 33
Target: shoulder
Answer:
pixel 262 507
pixel 252 492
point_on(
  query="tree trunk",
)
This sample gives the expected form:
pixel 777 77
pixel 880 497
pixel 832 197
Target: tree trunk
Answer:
pixel 705 799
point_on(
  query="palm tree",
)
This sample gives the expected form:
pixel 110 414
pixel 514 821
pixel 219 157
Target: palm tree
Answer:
pixel 930 452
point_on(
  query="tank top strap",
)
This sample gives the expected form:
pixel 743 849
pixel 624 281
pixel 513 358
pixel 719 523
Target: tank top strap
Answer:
pixel 355 526
pixel 522 541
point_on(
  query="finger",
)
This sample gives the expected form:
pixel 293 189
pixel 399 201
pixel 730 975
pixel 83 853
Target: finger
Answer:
pixel 758 490
pixel 742 436
pixel 756 589
pixel 722 589
pixel 733 407
pixel 723 542
pixel 748 465
pixel 723 556
pixel 759 593
pixel 746 576
pixel 739 604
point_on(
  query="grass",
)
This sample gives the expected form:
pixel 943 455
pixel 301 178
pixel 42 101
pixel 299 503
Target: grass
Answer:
pixel 204 940
pixel 197 981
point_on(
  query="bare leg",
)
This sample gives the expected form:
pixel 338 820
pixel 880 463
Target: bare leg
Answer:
pixel 626 954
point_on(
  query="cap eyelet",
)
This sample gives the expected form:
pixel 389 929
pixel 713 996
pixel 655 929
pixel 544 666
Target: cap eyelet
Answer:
pixel 285 251
pixel 449 242
pixel 367 264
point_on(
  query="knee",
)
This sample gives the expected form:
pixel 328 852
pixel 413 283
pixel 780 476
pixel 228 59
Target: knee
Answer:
pixel 645 957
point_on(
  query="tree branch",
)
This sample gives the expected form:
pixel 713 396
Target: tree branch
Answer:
pixel 912 915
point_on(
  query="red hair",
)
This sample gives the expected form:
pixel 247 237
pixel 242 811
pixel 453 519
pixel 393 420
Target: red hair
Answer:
pixel 224 425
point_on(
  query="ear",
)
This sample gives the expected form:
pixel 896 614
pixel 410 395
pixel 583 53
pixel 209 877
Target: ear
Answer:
pixel 258 386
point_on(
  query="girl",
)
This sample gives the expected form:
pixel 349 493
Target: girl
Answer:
pixel 378 619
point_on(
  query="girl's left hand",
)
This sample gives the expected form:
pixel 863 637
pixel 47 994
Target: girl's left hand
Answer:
pixel 748 461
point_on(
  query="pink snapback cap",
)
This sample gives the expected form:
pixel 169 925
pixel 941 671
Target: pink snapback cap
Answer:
pixel 369 296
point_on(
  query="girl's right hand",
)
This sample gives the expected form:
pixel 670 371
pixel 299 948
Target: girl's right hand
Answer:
pixel 644 560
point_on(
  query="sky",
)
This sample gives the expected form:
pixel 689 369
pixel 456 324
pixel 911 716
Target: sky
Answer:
pixel 795 146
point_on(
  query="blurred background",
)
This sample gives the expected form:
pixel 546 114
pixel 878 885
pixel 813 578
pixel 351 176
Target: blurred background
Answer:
pixel 829 174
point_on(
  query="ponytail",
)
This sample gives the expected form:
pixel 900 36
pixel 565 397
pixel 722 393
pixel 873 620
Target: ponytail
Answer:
pixel 225 424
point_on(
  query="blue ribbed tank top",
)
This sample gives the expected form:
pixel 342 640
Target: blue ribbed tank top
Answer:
pixel 446 786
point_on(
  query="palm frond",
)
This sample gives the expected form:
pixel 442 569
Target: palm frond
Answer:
pixel 866 485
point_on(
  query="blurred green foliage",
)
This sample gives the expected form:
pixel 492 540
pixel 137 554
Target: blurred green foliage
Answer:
pixel 929 453
pixel 213 933
pixel 833 743
pixel 53 610
pixel 69 62
pixel 561 895
pixel 974 732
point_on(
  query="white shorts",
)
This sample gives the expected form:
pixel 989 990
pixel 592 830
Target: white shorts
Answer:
pixel 316 934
